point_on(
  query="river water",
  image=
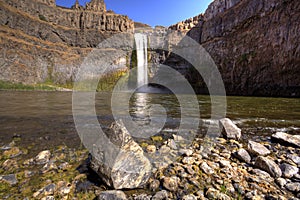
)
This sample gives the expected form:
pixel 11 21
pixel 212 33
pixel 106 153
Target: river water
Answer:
pixel 44 119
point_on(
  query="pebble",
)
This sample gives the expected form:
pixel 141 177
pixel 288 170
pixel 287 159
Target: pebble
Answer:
pixel 171 183
pixel 12 152
pixel 151 149
pixel 10 179
pixel 281 182
pixel 43 157
pixel 206 169
pixel 189 197
pixel 112 195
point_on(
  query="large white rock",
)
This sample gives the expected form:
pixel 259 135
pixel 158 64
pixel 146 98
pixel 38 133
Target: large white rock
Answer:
pixel 229 130
pixel 130 168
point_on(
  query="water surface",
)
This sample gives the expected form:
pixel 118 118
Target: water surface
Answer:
pixel 44 119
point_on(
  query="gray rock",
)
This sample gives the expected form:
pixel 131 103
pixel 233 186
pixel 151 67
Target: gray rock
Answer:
pixel 206 169
pixel 242 155
pixel 229 130
pixel 112 195
pixel 285 138
pixel 288 170
pixel 10 179
pixel 257 149
pixel 126 169
pixel 161 195
pixel 269 166
pixel 293 187
pixel 43 157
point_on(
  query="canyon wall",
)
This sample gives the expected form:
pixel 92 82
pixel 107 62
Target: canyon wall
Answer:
pixel 254 43
pixel 42 42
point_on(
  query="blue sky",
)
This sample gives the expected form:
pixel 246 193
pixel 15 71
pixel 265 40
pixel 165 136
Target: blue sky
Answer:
pixel 152 12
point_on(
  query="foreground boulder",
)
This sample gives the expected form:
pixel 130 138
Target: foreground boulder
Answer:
pixel 269 166
pixel 285 138
pixel 229 130
pixel 130 169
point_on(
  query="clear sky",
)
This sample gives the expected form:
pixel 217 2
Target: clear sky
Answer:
pixel 152 12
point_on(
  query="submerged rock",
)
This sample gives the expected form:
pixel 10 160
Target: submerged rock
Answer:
pixel 130 169
pixel 229 130
pixel 285 138
pixel 257 149
pixel 269 166
pixel 112 195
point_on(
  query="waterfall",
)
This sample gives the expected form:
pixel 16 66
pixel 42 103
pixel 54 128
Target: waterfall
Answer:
pixel 142 59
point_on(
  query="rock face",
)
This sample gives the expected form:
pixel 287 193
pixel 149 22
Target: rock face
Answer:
pixel 229 130
pixel 269 166
pixel 42 42
pixel 255 45
pixel 285 138
pixel 131 169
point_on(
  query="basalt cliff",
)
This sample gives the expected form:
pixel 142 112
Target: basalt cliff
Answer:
pixel 254 43
pixel 42 42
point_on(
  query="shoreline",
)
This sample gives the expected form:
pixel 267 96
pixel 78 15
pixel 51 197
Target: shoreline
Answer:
pixel 222 169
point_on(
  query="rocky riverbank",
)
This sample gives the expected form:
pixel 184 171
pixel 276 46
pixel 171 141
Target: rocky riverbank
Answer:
pixel 221 168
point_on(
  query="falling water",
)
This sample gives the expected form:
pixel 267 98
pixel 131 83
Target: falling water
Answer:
pixel 142 66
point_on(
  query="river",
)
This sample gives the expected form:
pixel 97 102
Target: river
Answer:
pixel 44 119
